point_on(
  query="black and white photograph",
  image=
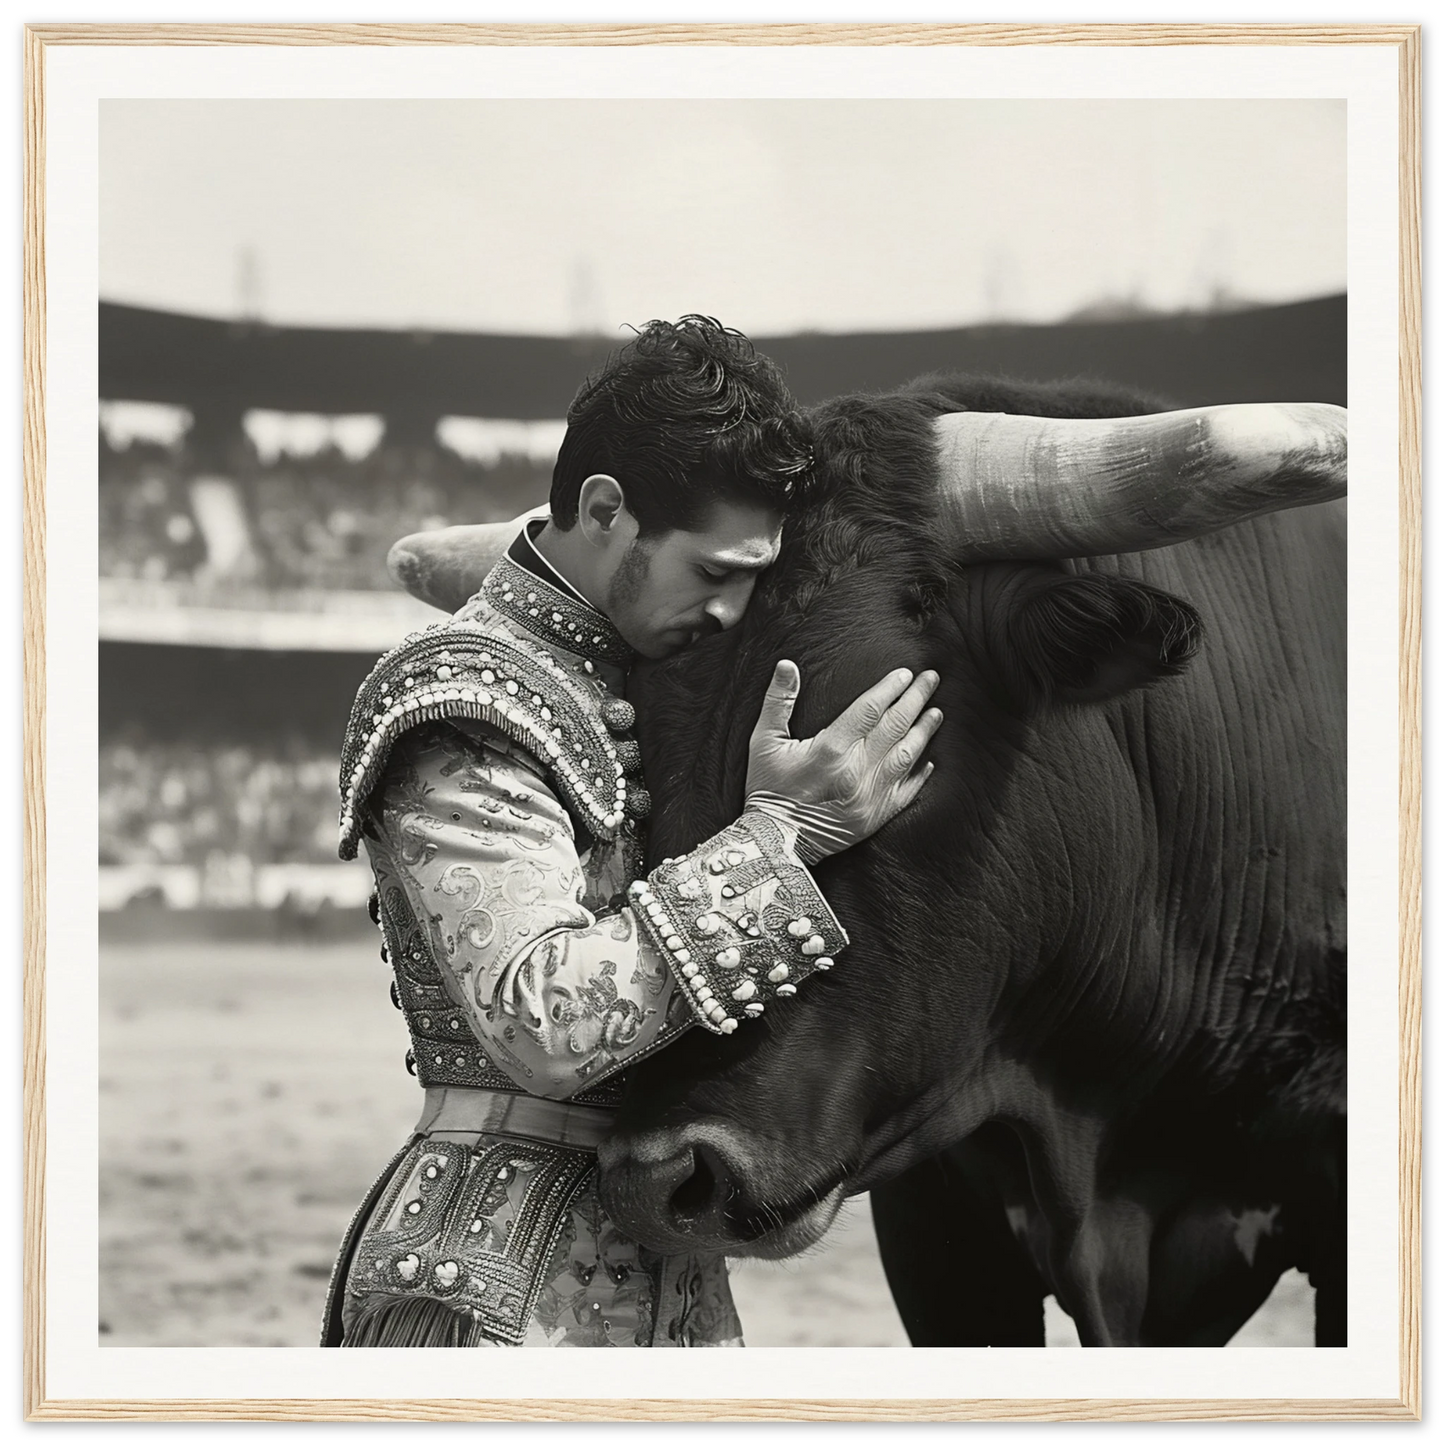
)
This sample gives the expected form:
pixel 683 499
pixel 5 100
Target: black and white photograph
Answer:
pixel 948 577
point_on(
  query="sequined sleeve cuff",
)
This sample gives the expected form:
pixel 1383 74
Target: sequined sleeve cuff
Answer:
pixel 740 922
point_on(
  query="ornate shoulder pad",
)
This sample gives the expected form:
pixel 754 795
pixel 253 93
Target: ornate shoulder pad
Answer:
pixel 459 669
pixel 739 923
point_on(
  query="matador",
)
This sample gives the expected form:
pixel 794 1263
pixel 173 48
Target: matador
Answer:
pixel 491 775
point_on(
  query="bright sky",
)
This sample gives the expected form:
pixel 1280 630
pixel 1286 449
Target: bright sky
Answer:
pixel 776 216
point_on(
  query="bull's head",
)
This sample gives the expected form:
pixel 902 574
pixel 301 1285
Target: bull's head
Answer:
pixel 934 537
pixel 747 1143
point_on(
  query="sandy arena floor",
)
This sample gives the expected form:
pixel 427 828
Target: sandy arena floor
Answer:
pixel 249 1093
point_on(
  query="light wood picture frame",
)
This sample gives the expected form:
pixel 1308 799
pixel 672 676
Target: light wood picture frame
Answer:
pixel 42 295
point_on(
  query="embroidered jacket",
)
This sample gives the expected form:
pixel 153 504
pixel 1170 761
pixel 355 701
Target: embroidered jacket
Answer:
pixel 490 775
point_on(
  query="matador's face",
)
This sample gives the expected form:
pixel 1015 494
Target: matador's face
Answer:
pixel 671 590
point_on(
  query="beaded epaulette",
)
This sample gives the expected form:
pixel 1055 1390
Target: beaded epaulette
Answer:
pixel 461 668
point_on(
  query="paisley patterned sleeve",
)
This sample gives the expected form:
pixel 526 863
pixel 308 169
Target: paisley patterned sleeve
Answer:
pixel 559 995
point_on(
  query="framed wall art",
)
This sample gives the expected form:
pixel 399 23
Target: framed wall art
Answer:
pixel 1045 338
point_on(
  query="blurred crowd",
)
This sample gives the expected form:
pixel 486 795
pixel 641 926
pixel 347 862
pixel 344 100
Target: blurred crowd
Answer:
pixel 320 521
pixel 229 522
pixel 147 528
pixel 180 802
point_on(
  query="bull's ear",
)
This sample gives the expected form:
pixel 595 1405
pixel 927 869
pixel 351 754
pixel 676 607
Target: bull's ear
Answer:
pixel 1089 638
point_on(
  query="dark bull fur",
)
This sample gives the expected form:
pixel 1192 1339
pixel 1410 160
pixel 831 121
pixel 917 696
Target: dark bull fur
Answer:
pixel 1089 1036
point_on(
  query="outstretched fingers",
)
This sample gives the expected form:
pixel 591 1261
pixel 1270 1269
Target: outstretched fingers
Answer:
pixel 894 723
pixel 904 758
pixel 904 767
pixel 900 719
pixel 866 713
pixel 912 786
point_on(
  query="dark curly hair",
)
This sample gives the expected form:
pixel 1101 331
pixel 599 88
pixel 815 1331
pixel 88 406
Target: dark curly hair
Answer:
pixel 684 415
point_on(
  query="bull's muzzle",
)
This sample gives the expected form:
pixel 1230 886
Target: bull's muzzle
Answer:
pixel 704 1187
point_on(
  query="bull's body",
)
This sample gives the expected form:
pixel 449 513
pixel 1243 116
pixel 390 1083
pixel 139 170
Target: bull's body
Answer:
pixel 1193 1133
pixel 1089 1036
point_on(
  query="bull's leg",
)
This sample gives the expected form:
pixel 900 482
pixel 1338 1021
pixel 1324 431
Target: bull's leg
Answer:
pixel 1328 1278
pixel 1213 1264
pixel 1103 1276
pixel 958 1275
pixel 1094 1247
pixel 1329 1245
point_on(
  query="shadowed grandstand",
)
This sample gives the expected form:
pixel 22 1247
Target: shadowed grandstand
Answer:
pixel 244 596
pixel 220 369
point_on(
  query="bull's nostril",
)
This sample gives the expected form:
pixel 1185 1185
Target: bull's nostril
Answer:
pixel 703 1191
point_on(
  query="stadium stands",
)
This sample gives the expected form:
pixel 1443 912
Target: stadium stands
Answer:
pixel 147 528
pixel 221 826
pixel 179 802
pixel 319 522
pixel 256 550
pixel 242 551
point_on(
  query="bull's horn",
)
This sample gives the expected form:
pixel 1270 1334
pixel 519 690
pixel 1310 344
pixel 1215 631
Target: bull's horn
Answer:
pixel 447 566
pixel 1036 487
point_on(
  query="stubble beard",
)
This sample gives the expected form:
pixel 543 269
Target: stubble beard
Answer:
pixel 629 581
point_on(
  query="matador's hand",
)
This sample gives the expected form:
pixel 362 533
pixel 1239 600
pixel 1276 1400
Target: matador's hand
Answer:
pixel 841 786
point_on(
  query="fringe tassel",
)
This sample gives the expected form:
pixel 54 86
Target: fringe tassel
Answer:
pixel 410 1324
pixel 514 723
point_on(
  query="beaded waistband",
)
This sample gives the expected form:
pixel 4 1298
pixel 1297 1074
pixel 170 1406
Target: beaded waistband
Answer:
pixel 484 1111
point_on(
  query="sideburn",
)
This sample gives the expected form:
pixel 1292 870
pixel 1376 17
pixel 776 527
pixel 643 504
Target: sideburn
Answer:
pixel 631 576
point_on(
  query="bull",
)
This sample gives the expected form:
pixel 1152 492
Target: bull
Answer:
pixel 1089 1037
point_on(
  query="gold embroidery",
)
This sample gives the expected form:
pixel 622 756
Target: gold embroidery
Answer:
pixel 471 1228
